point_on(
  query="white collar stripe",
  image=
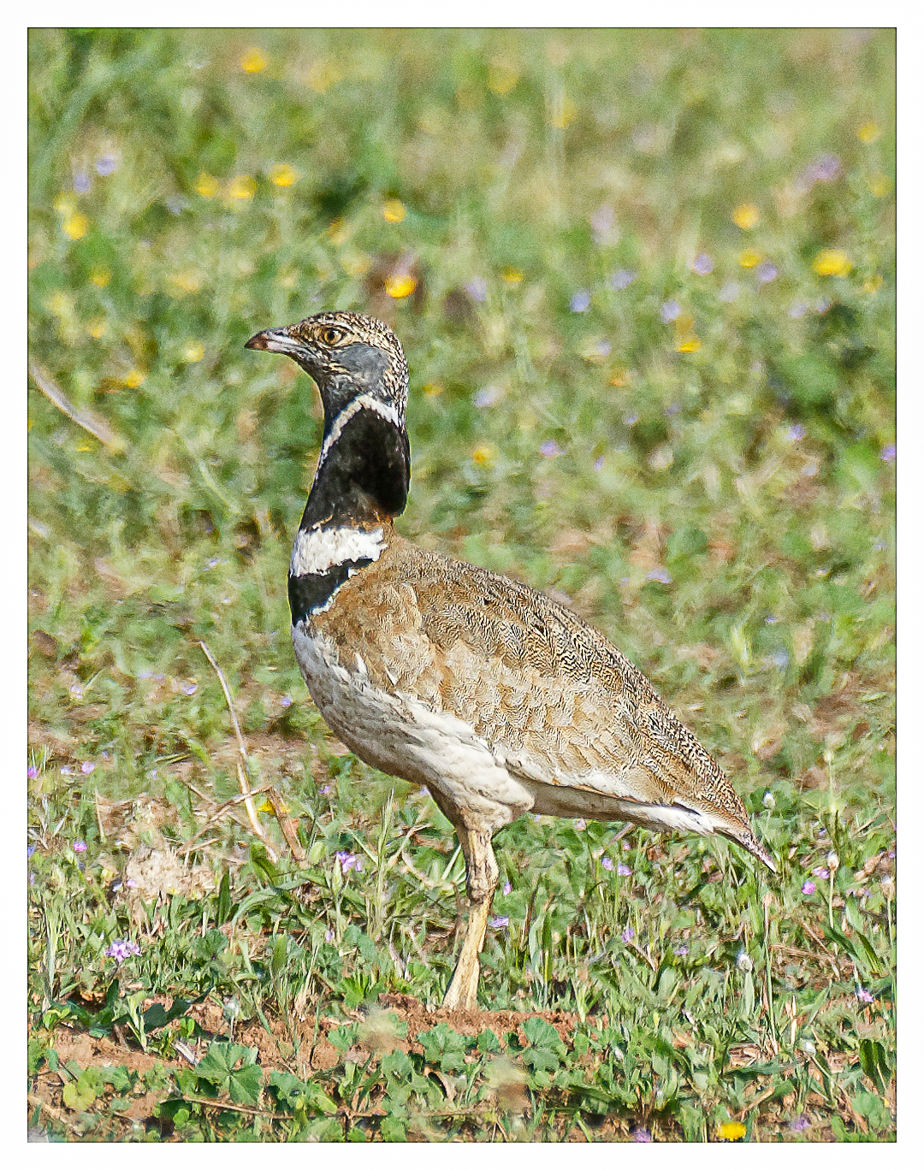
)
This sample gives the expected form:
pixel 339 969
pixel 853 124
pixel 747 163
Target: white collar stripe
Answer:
pixel 318 549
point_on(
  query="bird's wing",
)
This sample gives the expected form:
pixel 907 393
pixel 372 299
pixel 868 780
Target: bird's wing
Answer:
pixel 557 703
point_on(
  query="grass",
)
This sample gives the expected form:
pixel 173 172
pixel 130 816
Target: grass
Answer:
pixel 697 453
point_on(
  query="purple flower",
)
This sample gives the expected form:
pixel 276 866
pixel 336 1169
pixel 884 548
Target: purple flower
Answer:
pixel 487 396
pixel 808 886
pixel 771 619
pixel 30 849
pixel 324 789
pixel 670 311
pixel 682 950
pixel 329 935
pixel 628 934
pixel 606 862
pixel 766 272
pixel 106 164
pixel 598 463
pixel 659 574
pixel 32 772
pixel 795 432
pixel 798 309
pixel 549 449
pixel 580 302
pixel 864 996
pixel 580 825
pixel 81 182
pixel 621 279
pixel 640 1134
pixel 623 870
pixel 190 688
pixel 507 888
pixel 79 846
pixel 285 702
pixel 348 861
pixel 702 264
pixel 823 169
pixel 887 454
pixel 498 921
pixel 820 871
pixel 87 767
pixel 121 948
pixel 631 419
pixel 477 289
pixel 799 1123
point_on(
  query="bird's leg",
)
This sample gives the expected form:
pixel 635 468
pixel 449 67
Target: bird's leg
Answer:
pixel 481 880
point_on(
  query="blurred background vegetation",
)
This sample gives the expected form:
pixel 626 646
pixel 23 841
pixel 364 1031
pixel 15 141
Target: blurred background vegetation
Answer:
pixel 645 280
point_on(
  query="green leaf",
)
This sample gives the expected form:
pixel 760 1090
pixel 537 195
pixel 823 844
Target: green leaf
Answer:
pixel 444 1048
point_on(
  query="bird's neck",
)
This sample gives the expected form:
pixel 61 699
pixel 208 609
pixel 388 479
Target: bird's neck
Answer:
pixel 360 486
pixel 363 471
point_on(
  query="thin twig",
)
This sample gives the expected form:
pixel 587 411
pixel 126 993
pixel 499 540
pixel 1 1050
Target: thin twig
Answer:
pixel 242 748
pixel 91 423
pixel 289 825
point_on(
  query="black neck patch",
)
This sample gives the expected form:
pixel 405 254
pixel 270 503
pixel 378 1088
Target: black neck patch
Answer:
pixel 309 592
pixel 366 473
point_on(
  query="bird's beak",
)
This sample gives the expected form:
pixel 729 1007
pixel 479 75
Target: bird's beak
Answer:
pixel 275 340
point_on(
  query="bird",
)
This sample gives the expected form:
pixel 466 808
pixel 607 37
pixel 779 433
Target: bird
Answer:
pixel 498 699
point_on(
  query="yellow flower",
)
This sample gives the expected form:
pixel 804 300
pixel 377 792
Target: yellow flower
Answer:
pixel 746 216
pixel 749 258
pixel 282 175
pixel 832 262
pixel 207 185
pixel 242 187
pixel 76 225
pixel 502 77
pixel 511 275
pixel 356 264
pixel 400 284
pixel 61 304
pixel 338 230
pixel 393 211
pixel 868 131
pixel 563 112
pixel 873 284
pixel 619 378
pixel 687 343
pixel 188 281
pixel 322 75
pixel 64 204
pixel 193 351
pixel 100 277
pixel 97 328
pixel 253 61
pixel 879 184
pixel 731 1131
pixel 432 389
pixel 483 455
pixel 133 379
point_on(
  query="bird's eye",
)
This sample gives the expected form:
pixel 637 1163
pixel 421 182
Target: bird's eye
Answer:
pixel 330 335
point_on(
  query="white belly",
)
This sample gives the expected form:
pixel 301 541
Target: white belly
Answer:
pixel 402 736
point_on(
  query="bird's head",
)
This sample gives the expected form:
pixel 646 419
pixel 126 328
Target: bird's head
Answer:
pixel 361 373
pixel 349 356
